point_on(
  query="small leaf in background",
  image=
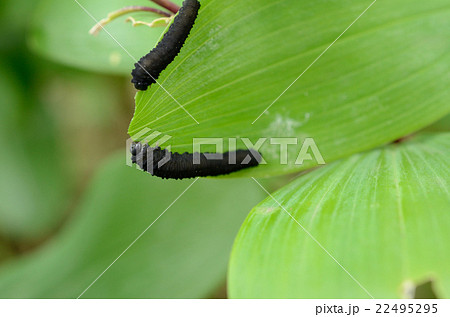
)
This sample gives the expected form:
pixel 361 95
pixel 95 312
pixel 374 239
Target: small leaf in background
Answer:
pixel 183 255
pixel 60 32
pixel 383 215
pixel 386 77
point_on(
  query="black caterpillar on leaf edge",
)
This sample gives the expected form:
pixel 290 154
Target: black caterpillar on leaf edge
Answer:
pixel 149 67
pixel 165 164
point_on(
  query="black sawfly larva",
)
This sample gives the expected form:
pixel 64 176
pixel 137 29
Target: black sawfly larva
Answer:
pixel 149 67
pixel 165 164
pixel 162 163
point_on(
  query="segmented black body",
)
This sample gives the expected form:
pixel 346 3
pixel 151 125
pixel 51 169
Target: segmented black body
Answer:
pixel 149 67
pixel 179 166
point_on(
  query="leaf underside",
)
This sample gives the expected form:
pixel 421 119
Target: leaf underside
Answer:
pixel 382 215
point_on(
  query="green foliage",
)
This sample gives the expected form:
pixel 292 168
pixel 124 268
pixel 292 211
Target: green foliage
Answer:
pixel 32 184
pixel 440 125
pixel 375 84
pixel 12 22
pixel 383 215
pixel 183 255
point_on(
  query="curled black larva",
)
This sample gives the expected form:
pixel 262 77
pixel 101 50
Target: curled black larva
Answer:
pixel 165 164
pixel 149 67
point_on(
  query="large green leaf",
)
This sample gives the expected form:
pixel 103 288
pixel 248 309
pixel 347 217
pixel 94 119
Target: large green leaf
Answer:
pixel 387 76
pixel 60 32
pixel 184 253
pixel 383 215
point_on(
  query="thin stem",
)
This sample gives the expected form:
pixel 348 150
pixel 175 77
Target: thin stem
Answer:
pixel 154 23
pixel 125 10
pixel 168 5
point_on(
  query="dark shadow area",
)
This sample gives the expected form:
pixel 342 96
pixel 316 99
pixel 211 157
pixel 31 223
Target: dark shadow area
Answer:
pixel 425 291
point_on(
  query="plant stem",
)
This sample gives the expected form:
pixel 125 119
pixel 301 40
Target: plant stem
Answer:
pixel 154 23
pixel 168 5
pixel 125 10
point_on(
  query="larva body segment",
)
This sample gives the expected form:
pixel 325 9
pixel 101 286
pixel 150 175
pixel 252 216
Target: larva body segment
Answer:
pixel 164 164
pixel 150 66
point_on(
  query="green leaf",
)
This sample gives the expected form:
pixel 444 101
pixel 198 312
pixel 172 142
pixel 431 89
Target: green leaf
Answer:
pixel 383 215
pixel 183 254
pixel 386 77
pixel 33 182
pixel 442 125
pixel 60 32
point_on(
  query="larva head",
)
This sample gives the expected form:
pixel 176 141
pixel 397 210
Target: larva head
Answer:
pixel 141 86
